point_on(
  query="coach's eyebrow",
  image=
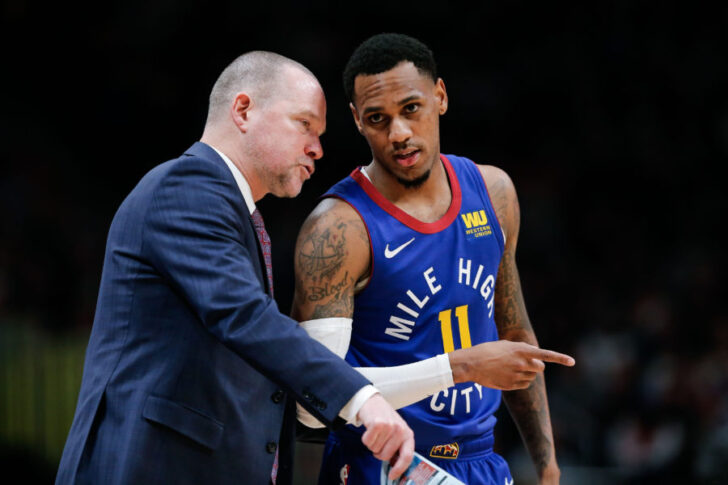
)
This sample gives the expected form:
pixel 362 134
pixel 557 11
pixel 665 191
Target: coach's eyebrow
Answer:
pixel 310 114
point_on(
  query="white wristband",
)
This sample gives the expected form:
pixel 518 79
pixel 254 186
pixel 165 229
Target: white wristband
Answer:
pixel 400 385
pixel 407 384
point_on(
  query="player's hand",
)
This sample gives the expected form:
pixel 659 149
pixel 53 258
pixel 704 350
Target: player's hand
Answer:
pixel 387 434
pixel 503 364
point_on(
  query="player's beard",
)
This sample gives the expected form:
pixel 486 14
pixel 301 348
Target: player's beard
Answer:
pixel 415 182
pixel 409 183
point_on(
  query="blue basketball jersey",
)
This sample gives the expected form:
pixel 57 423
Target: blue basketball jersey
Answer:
pixel 431 291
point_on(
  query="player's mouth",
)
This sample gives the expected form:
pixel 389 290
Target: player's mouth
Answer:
pixel 407 158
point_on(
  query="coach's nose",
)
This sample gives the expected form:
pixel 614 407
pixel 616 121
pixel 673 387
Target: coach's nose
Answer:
pixel 314 149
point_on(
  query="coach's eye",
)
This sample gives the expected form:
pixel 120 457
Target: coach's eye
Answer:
pixel 412 108
pixel 306 124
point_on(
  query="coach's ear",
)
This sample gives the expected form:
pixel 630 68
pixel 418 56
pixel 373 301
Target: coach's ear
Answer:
pixel 239 111
pixel 355 114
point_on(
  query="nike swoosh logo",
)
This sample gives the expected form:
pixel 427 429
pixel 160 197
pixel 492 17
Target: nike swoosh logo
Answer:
pixel 389 254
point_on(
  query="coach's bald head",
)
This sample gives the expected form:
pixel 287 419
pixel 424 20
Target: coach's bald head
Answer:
pixel 257 73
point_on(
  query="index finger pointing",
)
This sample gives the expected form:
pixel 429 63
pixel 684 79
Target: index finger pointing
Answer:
pixel 555 357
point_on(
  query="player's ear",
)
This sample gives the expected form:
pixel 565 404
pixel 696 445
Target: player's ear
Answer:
pixel 240 109
pixel 441 95
pixel 355 114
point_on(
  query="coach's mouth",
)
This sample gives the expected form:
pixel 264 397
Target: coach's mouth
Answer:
pixel 308 169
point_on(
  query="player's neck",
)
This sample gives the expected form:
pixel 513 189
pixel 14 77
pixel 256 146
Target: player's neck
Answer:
pixel 427 202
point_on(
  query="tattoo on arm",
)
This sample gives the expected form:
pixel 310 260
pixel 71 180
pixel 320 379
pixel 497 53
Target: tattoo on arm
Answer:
pixel 318 293
pixel 340 307
pixel 530 411
pixel 325 275
pixel 510 308
pixel 322 253
pixel 528 407
pixel 499 198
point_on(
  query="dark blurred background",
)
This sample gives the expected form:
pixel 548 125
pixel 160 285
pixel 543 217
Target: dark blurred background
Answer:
pixel 610 117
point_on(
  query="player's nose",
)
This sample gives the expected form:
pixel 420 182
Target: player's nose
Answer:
pixel 399 130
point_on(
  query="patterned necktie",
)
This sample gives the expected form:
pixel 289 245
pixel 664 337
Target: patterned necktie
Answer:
pixel 264 245
pixel 264 240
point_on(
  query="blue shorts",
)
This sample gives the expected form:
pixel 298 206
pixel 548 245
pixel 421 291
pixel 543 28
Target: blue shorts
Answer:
pixel 346 461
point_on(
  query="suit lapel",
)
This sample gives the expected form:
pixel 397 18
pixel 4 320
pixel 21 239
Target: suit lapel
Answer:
pixel 250 238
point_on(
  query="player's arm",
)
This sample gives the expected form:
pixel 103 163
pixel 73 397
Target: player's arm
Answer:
pixel 331 257
pixel 528 407
pixel 332 260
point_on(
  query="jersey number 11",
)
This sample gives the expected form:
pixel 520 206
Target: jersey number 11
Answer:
pixel 445 318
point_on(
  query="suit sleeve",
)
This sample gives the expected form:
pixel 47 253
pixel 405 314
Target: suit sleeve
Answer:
pixel 192 237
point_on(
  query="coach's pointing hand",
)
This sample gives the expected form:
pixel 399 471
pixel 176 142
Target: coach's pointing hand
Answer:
pixel 386 434
pixel 503 364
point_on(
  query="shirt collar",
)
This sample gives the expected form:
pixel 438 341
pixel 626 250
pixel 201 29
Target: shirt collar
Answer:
pixel 240 180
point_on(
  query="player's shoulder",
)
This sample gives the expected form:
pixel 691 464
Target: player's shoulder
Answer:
pixel 492 174
pixel 337 218
pixel 499 184
pixel 329 210
pixel 503 196
pixel 335 229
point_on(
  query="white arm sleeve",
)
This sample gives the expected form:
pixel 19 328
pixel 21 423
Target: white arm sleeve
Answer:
pixel 407 384
pixel 400 385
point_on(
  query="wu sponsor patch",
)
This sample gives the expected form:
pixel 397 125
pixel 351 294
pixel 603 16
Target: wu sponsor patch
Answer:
pixel 476 224
pixel 450 451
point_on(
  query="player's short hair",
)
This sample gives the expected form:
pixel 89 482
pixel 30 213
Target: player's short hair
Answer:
pixel 382 52
pixel 255 72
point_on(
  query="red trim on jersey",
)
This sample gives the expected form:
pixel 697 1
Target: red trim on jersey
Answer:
pixel 402 216
pixel 371 246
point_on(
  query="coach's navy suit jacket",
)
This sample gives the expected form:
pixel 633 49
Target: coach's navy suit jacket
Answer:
pixel 191 371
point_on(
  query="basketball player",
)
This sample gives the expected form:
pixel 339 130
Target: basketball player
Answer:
pixel 407 267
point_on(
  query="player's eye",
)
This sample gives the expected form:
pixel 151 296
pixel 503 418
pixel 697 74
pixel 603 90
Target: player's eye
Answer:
pixel 411 108
pixel 375 118
pixel 306 124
